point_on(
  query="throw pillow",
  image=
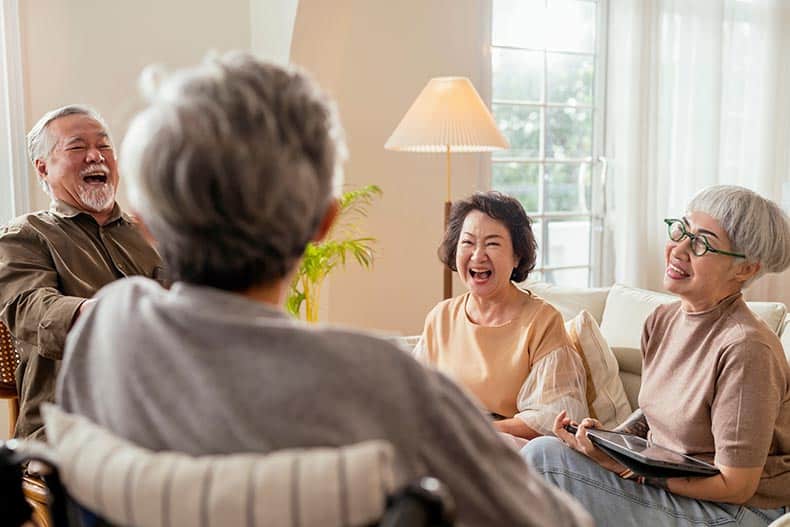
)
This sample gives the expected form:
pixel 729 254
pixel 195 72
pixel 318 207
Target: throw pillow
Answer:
pixel 569 301
pixel 605 393
pixel 129 485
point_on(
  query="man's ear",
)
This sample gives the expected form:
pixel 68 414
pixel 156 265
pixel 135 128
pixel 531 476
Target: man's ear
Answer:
pixel 330 216
pixel 41 168
pixel 747 270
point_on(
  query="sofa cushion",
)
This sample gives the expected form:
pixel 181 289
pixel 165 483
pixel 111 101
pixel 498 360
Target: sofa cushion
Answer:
pixel 625 313
pixel 570 301
pixel 627 308
pixel 786 337
pixel 772 313
pixel 630 362
pixel 606 397
pixel 129 485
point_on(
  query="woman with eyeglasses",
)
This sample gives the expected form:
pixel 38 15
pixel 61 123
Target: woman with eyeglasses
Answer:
pixel 715 382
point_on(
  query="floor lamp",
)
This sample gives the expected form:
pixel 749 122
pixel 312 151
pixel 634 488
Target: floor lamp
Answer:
pixel 448 116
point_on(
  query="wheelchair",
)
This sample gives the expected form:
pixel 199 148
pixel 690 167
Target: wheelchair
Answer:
pixel 423 503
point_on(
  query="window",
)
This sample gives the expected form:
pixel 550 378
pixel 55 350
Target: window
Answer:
pixel 547 98
pixel 13 166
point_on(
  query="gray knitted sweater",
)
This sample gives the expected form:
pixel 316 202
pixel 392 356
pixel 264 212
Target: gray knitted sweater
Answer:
pixel 203 371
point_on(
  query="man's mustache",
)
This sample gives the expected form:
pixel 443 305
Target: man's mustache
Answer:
pixel 100 167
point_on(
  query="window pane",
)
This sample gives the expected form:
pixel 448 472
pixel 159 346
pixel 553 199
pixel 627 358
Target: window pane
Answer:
pixel 568 187
pixel 535 276
pixel 520 180
pixel 569 133
pixel 517 75
pixel 521 126
pixel 519 23
pixel 570 78
pixel 570 25
pixel 537 230
pixel 568 242
pixel 569 277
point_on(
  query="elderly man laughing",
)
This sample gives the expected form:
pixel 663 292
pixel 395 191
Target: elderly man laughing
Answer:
pixel 53 261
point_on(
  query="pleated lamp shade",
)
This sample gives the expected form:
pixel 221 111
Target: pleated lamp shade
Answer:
pixel 447 115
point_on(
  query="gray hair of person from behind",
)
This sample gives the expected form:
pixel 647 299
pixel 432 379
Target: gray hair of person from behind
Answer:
pixel 756 226
pixel 40 142
pixel 504 209
pixel 232 167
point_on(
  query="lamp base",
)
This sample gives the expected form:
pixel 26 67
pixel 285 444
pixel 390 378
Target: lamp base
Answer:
pixel 448 274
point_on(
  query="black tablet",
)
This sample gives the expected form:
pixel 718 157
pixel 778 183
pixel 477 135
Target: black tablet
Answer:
pixel 649 454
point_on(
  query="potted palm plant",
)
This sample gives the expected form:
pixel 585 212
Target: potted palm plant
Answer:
pixel 343 241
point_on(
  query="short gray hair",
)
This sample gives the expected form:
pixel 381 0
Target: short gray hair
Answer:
pixel 40 142
pixel 756 226
pixel 232 167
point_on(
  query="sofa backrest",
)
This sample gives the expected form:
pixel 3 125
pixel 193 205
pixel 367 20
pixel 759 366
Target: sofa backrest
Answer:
pixel 621 312
pixel 571 300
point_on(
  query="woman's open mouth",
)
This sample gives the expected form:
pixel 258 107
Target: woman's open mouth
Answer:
pixel 676 273
pixel 480 275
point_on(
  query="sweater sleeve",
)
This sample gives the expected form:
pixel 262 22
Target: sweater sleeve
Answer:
pixel 490 479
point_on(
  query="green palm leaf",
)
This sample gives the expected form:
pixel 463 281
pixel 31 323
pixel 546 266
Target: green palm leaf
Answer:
pixel 343 240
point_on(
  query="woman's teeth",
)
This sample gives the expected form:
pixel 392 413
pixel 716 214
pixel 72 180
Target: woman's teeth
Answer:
pixel 675 271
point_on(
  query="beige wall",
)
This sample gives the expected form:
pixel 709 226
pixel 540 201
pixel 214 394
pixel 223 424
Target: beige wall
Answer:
pixel 374 58
pixel 93 51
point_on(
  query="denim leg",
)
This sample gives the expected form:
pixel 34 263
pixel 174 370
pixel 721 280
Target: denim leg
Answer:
pixel 612 500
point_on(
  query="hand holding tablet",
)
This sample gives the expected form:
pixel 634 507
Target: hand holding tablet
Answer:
pixel 645 458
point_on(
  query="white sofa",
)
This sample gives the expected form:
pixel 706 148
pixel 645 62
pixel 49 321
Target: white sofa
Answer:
pixel 621 312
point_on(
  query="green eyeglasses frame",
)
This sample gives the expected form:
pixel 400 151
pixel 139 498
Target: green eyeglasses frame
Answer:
pixel 694 237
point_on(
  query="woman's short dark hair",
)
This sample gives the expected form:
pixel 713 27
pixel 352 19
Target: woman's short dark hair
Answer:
pixel 502 208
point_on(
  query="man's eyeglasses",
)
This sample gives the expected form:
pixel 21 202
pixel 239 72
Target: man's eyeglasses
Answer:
pixel 699 243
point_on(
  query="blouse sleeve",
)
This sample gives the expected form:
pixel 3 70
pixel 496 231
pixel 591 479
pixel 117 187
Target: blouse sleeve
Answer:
pixel 419 352
pixel 556 382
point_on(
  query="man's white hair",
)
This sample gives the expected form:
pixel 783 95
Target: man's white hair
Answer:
pixel 40 142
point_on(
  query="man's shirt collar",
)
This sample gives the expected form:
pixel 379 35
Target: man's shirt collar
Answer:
pixel 64 210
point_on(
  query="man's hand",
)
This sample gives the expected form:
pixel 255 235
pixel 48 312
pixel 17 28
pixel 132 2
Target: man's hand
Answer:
pixel 84 308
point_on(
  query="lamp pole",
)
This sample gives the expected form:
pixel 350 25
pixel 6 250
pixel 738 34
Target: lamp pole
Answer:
pixel 448 274
pixel 447 114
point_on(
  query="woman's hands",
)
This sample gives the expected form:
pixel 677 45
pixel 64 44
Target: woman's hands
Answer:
pixel 581 443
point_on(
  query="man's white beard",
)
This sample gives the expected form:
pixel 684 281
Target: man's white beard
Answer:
pixel 96 198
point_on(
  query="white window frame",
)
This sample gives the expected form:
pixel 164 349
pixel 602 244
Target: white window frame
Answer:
pixel 14 194
pixel 597 212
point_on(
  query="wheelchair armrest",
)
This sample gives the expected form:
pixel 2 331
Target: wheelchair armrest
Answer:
pixel 425 503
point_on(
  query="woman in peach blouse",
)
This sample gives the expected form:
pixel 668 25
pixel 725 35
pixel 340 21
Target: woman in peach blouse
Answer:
pixel 506 346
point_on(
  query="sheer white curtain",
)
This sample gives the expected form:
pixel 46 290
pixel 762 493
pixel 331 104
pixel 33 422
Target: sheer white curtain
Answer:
pixel 13 165
pixel 697 94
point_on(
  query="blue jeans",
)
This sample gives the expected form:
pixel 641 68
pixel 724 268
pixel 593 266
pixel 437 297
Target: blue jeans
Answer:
pixel 612 500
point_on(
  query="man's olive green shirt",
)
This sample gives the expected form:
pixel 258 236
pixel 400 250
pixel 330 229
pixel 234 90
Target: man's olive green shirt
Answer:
pixel 50 263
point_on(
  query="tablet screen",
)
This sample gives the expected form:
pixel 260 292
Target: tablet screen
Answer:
pixel 643 449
